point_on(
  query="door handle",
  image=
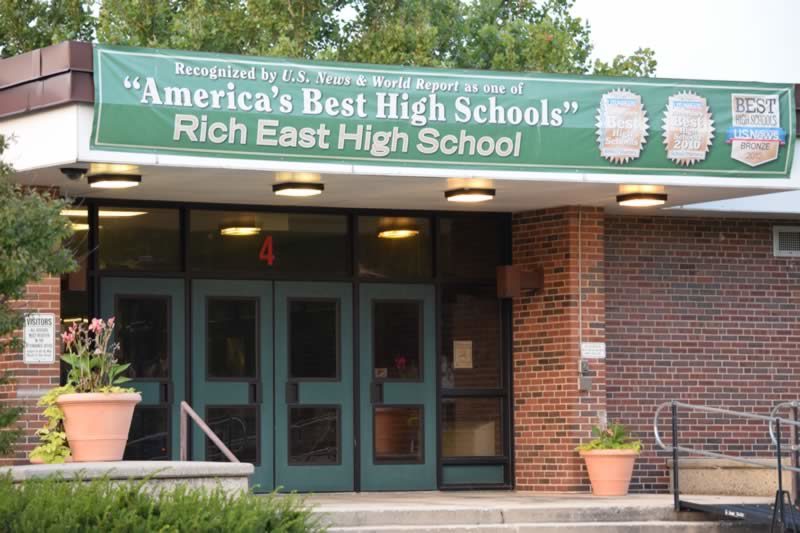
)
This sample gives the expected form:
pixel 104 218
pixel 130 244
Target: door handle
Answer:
pixel 376 393
pixel 254 391
pixel 292 392
pixel 165 393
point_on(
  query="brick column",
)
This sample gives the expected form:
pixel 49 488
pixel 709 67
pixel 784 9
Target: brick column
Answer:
pixel 551 416
pixel 30 381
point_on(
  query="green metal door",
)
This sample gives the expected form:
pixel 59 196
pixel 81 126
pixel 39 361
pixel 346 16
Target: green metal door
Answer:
pixel 150 326
pixel 397 387
pixel 314 386
pixel 232 372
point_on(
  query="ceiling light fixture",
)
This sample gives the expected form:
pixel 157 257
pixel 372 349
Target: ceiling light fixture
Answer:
pixel 114 181
pixel 469 195
pixel 80 226
pixel 298 189
pixel 641 199
pixel 103 213
pixel 239 231
pixel 399 233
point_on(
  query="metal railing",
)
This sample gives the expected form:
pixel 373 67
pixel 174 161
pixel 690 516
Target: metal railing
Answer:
pixel 186 413
pixel 774 424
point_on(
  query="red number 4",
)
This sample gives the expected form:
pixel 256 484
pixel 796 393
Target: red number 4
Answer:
pixel 266 251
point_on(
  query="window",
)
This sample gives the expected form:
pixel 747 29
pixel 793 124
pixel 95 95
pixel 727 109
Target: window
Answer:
pixel 139 239
pixel 470 247
pixel 143 335
pixel 471 338
pixel 398 435
pixel 394 247
pixel 472 427
pixel 314 435
pixel 397 340
pixel 237 428
pixel 232 338
pixel 314 339
pixel 293 243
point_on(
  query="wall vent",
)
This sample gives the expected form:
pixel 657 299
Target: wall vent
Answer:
pixel 786 241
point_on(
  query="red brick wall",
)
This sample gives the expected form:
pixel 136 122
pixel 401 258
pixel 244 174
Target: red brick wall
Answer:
pixel 551 416
pixel 43 297
pixel 698 309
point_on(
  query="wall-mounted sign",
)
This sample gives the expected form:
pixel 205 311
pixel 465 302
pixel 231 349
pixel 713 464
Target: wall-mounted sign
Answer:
pixel 593 350
pixel 462 354
pixel 212 105
pixel 39 338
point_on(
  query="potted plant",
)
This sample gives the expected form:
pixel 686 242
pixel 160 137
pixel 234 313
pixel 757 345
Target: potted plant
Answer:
pixel 98 412
pixel 53 447
pixel 609 459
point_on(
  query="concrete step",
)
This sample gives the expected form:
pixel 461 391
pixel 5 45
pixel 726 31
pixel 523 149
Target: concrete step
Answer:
pixel 641 526
pixel 477 516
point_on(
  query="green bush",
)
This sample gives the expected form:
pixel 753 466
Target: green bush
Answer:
pixel 55 505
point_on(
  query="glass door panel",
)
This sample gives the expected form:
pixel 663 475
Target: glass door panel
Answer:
pixel 232 371
pixel 314 386
pixel 398 388
pixel 150 325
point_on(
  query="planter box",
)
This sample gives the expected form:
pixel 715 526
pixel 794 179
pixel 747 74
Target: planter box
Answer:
pixel 231 477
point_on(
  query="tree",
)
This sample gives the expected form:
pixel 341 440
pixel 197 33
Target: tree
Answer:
pixel 515 35
pixel 33 237
pixel 29 24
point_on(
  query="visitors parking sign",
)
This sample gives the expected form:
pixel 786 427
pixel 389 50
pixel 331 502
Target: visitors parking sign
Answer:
pixel 214 105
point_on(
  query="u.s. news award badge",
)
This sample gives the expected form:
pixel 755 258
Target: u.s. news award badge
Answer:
pixel 688 128
pixel 756 135
pixel 621 126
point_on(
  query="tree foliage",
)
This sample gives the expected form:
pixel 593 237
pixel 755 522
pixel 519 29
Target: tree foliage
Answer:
pixel 515 35
pixel 33 238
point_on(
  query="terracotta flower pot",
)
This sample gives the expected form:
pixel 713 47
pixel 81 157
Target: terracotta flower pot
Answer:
pixel 610 470
pixel 97 424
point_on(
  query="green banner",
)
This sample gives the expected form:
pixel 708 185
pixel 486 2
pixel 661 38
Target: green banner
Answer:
pixel 212 105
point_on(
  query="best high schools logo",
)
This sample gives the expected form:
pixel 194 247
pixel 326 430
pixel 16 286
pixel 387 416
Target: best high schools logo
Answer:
pixel 756 135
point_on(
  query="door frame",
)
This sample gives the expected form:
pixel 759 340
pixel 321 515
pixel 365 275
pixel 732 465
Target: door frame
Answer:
pixel 184 272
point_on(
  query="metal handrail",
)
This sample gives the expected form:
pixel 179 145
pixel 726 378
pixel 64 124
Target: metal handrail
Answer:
pixel 186 413
pixel 783 405
pixel 716 410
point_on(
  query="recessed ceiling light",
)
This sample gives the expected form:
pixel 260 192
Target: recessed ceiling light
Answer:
pixel 298 189
pixel 113 181
pixel 80 226
pixel 239 231
pixel 469 195
pixel 641 199
pixel 103 213
pixel 74 212
pixel 399 233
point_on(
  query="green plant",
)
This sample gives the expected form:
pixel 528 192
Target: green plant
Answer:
pixel 53 447
pixel 92 358
pixel 613 437
pixel 55 504
pixel 8 417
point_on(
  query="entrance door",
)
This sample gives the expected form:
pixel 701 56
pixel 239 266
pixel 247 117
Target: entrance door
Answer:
pixel 314 386
pixel 398 391
pixel 150 325
pixel 232 371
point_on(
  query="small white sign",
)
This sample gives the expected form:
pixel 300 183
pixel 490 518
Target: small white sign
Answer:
pixel 462 354
pixel 593 350
pixel 39 338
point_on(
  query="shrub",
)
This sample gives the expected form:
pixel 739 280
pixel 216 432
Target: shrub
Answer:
pixel 55 505
pixel 613 437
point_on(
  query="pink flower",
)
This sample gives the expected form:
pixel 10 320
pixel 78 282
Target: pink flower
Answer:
pixel 400 362
pixel 68 338
pixel 96 326
pixel 110 322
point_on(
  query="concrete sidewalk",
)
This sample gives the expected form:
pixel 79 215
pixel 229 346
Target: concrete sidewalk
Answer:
pixel 485 511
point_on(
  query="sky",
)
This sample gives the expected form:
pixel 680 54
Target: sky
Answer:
pixel 738 40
